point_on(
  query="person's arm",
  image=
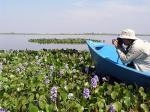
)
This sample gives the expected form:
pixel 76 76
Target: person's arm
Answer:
pixel 132 54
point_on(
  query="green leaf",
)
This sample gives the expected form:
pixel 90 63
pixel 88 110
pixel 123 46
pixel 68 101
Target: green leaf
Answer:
pixel 42 102
pixel 24 100
pixel 127 101
pixel 117 106
pixel 33 108
pixel 64 95
pixel 86 84
pixel 144 107
pixel 79 108
pixel 101 104
pixel 114 94
pixel 48 108
pixel 31 98
pixel 142 93
pixel 141 89
pixel 96 90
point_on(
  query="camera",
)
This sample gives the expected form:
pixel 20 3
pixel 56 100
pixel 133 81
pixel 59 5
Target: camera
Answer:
pixel 120 41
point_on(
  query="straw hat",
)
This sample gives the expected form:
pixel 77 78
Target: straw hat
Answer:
pixel 128 34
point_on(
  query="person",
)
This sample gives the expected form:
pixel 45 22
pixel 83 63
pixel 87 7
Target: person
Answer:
pixel 131 49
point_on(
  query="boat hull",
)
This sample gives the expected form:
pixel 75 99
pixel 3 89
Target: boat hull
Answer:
pixel 108 63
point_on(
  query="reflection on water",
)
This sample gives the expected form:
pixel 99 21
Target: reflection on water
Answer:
pixel 17 42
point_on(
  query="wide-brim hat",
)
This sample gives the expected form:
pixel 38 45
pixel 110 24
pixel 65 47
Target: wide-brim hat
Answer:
pixel 128 34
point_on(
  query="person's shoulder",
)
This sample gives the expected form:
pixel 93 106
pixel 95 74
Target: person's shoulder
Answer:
pixel 138 43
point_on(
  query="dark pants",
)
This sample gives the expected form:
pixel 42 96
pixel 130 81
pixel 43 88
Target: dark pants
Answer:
pixel 131 65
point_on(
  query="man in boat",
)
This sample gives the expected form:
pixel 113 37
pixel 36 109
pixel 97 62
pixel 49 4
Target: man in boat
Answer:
pixel 133 50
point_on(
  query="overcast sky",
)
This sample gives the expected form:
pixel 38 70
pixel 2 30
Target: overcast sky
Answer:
pixel 74 16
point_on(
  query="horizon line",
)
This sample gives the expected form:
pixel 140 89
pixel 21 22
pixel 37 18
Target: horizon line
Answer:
pixel 13 33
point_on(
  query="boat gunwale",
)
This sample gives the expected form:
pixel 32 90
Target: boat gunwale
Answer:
pixel 89 42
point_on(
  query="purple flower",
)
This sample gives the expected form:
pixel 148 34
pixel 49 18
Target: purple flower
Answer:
pixel 66 66
pixel 94 82
pixel 36 57
pixel 86 70
pixel 47 81
pixel 96 77
pixel 70 95
pixel 86 93
pixel 61 72
pixel 53 92
pixel 2 110
pixel 111 108
pixel 93 74
pixel 74 71
pixel 18 70
pixel 51 67
pixel 38 62
pixel 81 58
pixel 104 79
pixel 46 76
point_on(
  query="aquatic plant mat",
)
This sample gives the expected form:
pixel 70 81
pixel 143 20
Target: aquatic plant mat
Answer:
pixel 63 81
pixel 61 41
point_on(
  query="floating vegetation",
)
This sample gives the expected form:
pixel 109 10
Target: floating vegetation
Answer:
pixel 63 81
pixel 61 41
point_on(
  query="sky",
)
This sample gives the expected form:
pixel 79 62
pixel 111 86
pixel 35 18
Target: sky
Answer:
pixel 74 16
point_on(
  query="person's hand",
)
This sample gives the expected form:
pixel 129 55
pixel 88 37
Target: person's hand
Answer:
pixel 115 43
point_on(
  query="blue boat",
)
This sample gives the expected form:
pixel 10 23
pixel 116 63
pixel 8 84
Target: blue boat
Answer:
pixel 107 62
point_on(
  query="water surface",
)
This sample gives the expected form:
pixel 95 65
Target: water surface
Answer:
pixel 20 42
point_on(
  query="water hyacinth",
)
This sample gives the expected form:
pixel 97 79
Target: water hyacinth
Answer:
pixel 47 81
pixel 111 108
pixel 66 66
pixel 104 79
pixel 22 67
pixel 65 82
pixel 61 72
pixel 53 93
pixel 86 70
pixel 96 77
pixel 66 87
pixel 2 110
pixel 1 67
pixel 86 93
pixel 74 71
pixel 75 76
pixel 94 82
pixel 46 76
pixel 93 73
pixel 52 67
pixel 4 60
pixel 1 85
pixel 51 70
pixel 72 92
pixel 38 62
pixel 36 57
pixel 70 95
pixel 81 58
pixel 18 70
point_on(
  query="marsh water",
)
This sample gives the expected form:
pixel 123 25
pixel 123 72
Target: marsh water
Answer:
pixel 20 42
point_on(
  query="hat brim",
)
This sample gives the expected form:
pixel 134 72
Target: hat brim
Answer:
pixel 128 37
